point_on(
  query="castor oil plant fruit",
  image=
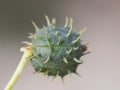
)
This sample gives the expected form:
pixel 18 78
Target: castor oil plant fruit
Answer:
pixel 54 50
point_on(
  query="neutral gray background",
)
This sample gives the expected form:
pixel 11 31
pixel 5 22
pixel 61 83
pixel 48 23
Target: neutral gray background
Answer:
pixel 101 68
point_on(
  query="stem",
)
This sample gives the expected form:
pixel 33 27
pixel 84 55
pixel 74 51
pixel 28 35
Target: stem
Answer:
pixel 27 53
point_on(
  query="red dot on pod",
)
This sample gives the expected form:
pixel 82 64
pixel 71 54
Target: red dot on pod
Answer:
pixel 84 48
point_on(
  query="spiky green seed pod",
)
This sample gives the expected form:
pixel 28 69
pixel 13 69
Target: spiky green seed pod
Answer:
pixel 56 49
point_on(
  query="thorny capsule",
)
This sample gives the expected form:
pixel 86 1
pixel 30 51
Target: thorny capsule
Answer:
pixel 56 49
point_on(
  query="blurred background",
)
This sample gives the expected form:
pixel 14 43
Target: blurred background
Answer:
pixel 101 68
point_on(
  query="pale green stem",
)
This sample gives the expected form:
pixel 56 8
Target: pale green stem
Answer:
pixel 27 53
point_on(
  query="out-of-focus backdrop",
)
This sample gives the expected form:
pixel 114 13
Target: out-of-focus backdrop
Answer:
pixel 101 68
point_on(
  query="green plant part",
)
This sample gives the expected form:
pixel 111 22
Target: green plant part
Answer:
pixel 53 50
pixel 56 49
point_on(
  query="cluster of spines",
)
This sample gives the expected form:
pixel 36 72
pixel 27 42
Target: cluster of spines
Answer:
pixel 67 25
